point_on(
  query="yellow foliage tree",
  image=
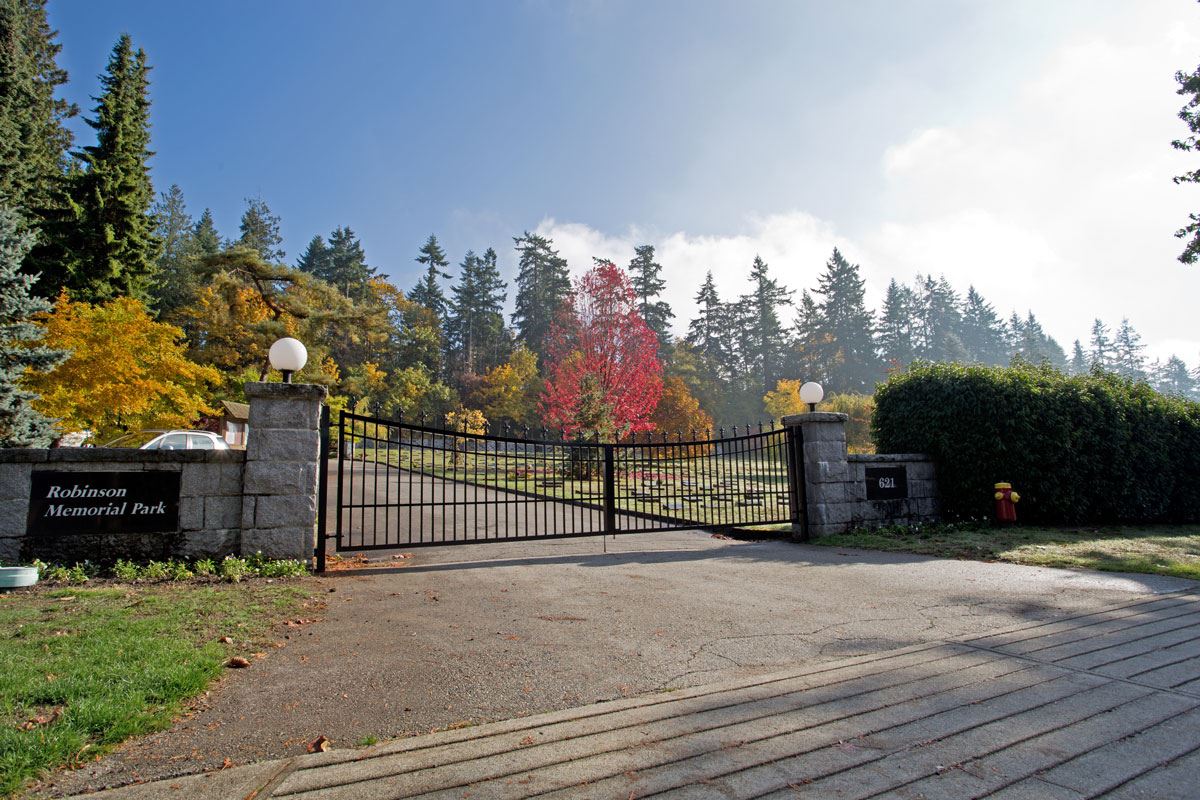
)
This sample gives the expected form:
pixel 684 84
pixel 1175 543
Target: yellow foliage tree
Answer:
pixel 680 414
pixel 125 372
pixel 784 400
pixel 510 391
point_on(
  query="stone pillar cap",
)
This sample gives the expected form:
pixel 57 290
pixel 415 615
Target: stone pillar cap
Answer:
pixel 286 391
pixel 815 416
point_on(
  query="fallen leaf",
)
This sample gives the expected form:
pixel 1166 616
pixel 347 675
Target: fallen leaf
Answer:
pixel 226 640
pixel 320 744
pixel 528 740
pixel 226 764
pixel 237 662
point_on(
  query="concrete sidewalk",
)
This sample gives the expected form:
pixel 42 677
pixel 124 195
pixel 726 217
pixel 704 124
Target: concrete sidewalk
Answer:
pixel 1105 703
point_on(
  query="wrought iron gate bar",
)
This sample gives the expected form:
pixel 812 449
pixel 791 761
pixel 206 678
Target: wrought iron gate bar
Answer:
pixel 401 485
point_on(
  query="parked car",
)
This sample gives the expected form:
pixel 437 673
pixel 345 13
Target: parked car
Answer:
pixel 171 440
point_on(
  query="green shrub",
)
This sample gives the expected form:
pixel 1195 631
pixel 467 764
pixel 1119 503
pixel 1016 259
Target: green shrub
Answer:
pixel 178 571
pixel 126 571
pixel 284 568
pixel 1091 448
pixel 205 567
pixel 156 571
pixel 233 569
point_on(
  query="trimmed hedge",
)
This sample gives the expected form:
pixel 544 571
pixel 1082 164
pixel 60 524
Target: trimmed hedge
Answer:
pixel 1091 448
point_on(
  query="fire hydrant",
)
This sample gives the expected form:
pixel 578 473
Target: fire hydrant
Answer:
pixel 1006 503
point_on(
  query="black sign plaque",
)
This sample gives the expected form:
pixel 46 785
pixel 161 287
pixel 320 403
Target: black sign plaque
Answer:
pixel 103 502
pixel 887 483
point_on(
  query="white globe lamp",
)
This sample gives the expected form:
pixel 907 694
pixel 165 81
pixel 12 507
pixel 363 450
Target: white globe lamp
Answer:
pixel 811 393
pixel 288 355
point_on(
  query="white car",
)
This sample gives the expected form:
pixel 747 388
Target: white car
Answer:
pixel 171 440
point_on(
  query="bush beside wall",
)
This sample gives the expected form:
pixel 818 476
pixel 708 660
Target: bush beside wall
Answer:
pixel 1091 448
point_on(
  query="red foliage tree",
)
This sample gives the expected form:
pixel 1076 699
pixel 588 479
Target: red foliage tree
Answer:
pixel 603 377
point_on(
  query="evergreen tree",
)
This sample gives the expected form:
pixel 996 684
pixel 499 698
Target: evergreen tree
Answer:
pixel 428 291
pixel 346 264
pixel 983 330
pixel 20 424
pixel 707 333
pixel 1035 346
pixel 1128 358
pixel 177 259
pixel 765 346
pixel 1189 87
pixel 314 260
pixel 1175 379
pixel 939 322
pixel 896 334
pixel 260 231
pixel 543 284
pixel 205 238
pixel 648 286
pixel 1101 353
pixel 34 140
pixel 845 328
pixel 809 345
pixel 115 251
pixel 476 326
pixel 1079 362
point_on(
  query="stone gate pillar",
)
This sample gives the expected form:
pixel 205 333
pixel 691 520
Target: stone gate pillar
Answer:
pixel 283 446
pixel 824 469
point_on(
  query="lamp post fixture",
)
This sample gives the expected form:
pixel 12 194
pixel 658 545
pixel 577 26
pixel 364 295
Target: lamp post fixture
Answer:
pixel 811 393
pixel 288 355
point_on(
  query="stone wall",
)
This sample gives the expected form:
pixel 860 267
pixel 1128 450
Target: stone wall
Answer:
pixel 836 487
pixel 210 504
pixel 263 499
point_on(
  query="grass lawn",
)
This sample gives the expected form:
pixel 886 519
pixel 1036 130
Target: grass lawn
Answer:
pixel 82 669
pixel 1157 549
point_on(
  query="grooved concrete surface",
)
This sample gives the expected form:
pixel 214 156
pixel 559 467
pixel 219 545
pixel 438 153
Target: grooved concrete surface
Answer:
pixel 472 635
pixel 1105 704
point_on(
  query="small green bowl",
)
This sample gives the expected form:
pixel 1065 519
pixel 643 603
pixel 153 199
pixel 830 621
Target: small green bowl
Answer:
pixel 16 577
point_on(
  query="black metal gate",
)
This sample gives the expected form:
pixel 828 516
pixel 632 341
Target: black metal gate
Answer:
pixel 400 485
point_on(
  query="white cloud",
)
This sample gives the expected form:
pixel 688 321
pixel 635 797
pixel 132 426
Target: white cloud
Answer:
pixel 1058 199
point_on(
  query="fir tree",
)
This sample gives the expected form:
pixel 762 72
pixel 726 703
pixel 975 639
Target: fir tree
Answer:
pixel 260 231
pixel 896 336
pixel 314 259
pixel 20 424
pixel 205 237
pixel 428 291
pixel 1079 361
pixel 708 333
pixel 34 140
pixel 845 328
pixel 1174 378
pixel 1035 346
pixel 1189 87
pixel 543 284
pixel 808 343
pixel 476 326
pixel 648 286
pixel 939 322
pixel 1101 352
pixel 764 349
pixel 1128 358
pixel 346 264
pixel 983 330
pixel 177 260
pixel 115 251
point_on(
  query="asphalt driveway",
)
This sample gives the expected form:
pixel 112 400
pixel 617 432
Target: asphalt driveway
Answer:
pixel 456 636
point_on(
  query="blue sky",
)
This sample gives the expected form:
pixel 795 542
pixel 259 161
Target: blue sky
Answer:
pixel 1019 146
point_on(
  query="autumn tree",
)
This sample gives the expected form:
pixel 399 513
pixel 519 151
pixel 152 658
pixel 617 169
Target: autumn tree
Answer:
pixel 125 372
pixel 603 377
pixel 678 412
pixel 509 391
